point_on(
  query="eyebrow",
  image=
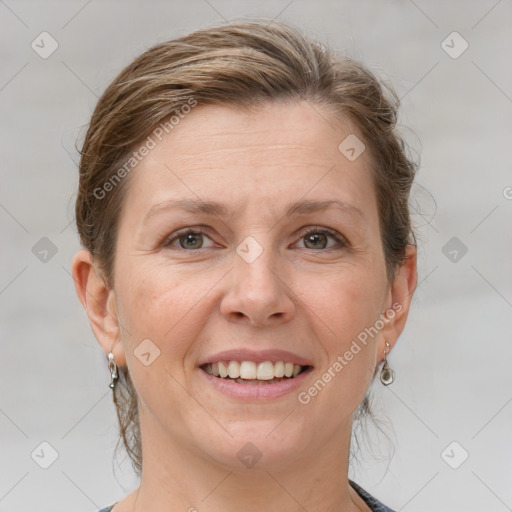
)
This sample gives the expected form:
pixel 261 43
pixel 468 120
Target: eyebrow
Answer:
pixel 190 205
pixel 305 207
pixel 302 207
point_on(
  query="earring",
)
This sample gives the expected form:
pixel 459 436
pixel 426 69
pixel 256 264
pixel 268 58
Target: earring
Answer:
pixel 387 375
pixel 113 371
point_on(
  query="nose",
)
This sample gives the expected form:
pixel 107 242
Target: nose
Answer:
pixel 257 295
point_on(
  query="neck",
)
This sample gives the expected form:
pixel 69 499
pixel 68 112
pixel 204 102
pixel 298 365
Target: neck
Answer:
pixel 178 478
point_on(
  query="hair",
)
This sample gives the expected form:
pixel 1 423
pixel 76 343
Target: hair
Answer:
pixel 240 65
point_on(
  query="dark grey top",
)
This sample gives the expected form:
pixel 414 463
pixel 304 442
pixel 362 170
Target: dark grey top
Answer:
pixel 373 503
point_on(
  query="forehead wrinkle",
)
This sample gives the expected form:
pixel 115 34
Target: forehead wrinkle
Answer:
pixel 268 150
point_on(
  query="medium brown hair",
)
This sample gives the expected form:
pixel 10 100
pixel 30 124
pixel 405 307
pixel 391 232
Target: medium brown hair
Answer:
pixel 241 65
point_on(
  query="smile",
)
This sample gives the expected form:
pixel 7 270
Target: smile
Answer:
pixel 250 372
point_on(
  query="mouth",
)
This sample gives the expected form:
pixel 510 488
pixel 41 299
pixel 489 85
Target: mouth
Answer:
pixel 255 373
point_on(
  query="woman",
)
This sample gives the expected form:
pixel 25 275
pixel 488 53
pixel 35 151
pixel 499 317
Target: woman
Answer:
pixel 248 264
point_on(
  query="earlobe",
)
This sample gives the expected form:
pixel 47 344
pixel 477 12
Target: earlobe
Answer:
pixel 401 293
pixel 99 303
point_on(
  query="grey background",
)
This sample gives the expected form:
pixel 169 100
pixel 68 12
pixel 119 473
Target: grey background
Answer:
pixel 453 360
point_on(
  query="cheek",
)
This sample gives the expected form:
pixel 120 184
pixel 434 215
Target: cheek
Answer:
pixel 160 311
pixel 346 305
pixel 159 304
pixel 347 301
pixel 345 309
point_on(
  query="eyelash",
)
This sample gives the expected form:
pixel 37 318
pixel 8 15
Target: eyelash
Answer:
pixel 340 240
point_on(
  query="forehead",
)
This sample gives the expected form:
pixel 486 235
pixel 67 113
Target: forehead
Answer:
pixel 272 154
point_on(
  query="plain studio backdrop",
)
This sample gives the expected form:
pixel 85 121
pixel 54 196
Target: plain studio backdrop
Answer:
pixel 450 408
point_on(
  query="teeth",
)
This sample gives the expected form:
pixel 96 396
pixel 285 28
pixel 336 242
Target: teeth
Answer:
pixel 233 369
pixel 279 369
pixel 265 371
pixel 223 370
pixel 250 371
pixel 253 382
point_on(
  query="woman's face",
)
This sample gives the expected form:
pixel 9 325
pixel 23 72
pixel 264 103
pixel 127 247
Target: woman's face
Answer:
pixel 251 238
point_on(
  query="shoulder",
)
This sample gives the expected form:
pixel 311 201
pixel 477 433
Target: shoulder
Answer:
pixel 374 504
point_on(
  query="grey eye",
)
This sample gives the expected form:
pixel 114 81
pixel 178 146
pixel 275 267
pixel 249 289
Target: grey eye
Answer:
pixel 191 241
pixel 315 240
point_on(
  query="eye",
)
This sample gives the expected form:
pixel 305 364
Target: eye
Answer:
pixel 321 239
pixel 188 240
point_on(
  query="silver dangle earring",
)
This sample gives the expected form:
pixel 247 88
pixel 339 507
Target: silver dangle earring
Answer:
pixel 387 375
pixel 113 371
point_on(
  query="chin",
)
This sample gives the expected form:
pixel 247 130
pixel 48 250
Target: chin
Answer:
pixel 260 445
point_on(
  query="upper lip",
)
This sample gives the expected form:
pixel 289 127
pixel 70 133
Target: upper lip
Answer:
pixel 243 354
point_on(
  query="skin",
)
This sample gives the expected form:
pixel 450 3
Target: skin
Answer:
pixel 192 303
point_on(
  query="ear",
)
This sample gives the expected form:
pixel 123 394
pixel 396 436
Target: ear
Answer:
pixel 399 300
pixel 99 303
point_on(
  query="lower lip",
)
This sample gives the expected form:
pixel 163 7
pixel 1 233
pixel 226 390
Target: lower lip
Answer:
pixel 256 391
